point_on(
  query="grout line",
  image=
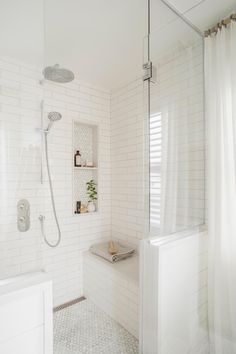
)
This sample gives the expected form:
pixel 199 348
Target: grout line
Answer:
pixel 68 304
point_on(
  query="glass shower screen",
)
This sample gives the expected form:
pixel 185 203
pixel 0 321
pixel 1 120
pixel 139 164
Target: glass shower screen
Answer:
pixel 176 124
pixel 21 62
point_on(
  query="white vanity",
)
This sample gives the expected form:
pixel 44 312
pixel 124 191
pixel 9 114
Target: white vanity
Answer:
pixel 26 325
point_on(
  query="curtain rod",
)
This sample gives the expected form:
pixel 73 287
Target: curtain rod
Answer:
pixel 220 24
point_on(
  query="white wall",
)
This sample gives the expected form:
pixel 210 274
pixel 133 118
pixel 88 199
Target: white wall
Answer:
pixel 129 162
pixel 174 294
pixel 20 153
pixel 114 288
pixel 123 166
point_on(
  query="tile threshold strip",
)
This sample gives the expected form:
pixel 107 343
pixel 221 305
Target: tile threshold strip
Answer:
pixel 70 303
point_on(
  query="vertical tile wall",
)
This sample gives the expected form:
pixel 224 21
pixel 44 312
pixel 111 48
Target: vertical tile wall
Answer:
pixel 122 168
pixel 20 153
pixel 129 162
pixel 177 103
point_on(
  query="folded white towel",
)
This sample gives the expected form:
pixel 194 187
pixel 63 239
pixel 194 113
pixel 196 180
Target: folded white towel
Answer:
pixel 102 250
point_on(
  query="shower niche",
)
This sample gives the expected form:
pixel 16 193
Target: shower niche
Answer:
pixel 85 169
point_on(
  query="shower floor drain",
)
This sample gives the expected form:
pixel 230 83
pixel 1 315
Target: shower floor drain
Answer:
pixel 67 304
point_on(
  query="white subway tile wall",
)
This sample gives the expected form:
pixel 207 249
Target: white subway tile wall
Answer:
pixel 123 167
pixel 20 153
pixel 129 162
pixel 114 288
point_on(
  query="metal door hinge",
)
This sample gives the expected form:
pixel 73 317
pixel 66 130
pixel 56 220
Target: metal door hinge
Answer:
pixel 147 67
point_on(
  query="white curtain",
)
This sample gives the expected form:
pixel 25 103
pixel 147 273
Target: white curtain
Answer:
pixel 220 66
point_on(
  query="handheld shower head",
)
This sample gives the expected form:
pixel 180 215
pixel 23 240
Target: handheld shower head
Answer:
pixel 53 117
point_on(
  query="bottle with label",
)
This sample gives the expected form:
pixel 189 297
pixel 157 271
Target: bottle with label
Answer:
pixel 77 159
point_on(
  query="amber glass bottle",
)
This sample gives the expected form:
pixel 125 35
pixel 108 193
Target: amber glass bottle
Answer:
pixel 77 159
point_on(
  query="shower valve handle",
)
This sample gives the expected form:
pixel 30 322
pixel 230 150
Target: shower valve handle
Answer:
pixel 23 215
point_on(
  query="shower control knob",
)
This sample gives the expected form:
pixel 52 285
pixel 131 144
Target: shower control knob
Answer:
pixel 23 215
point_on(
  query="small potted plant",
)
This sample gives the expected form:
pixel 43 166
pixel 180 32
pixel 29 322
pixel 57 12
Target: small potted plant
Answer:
pixel 92 195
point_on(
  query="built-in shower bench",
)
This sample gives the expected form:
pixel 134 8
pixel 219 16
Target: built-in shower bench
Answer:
pixel 114 288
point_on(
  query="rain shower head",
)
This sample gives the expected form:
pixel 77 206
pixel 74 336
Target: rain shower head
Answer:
pixel 53 117
pixel 57 74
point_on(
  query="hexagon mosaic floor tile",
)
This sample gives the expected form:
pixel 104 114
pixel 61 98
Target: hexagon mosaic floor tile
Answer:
pixel 85 329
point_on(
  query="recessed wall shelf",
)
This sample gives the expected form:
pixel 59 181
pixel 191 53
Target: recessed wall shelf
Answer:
pixel 85 140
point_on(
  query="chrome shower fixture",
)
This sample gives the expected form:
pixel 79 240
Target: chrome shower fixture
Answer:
pixel 53 117
pixel 57 74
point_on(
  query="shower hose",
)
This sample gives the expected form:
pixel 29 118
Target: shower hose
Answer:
pixel 41 217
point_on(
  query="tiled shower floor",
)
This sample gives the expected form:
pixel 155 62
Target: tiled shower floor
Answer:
pixel 85 329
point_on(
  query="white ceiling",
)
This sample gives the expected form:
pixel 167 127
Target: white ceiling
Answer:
pixel 100 40
pixel 209 12
pixel 204 13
